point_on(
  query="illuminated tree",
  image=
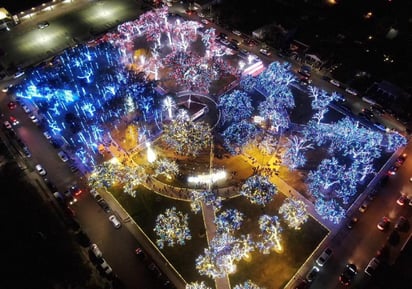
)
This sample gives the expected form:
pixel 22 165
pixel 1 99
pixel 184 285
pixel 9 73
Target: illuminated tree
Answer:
pixel 235 106
pixel 259 190
pixel 238 135
pixel 394 141
pixel 185 136
pixel 248 285
pixel 224 250
pixel 294 156
pixel 270 234
pixel 330 210
pixel 166 167
pixel 228 221
pixel 172 228
pixel 197 285
pixel 294 212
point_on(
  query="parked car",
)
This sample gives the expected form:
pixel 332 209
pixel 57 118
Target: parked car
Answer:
pixel 351 222
pixel 312 274
pixel 113 219
pixel 384 223
pixel 402 200
pixel 40 170
pixel 12 105
pixel 236 32
pixel 372 266
pixel 364 206
pixel 401 159
pixel 69 197
pixel 96 251
pixel 103 264
pixel 14 121
pixel 401 224
pixel 43 24
pixel 348 274
pixel 94 193
pixel 265 51
pixel 324 257
pixel 26 108
pixel 63 156
pixel 7 124
pixel 102 203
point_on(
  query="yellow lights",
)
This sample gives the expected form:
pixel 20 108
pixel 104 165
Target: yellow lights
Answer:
pixel 208 179
pixel 370 37
pixel 332 2
pixel 114 161
pixel 151 155
pixel 368 15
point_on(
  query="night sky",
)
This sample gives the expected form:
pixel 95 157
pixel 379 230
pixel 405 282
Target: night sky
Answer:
pixel 14 6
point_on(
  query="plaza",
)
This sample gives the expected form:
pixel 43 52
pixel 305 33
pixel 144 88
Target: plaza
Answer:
pixel 162 100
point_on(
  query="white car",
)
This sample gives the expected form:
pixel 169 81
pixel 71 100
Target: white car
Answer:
pixel 25 108
pixel 96 251
pixel 94 193
pixel 265 52
pixel 237 32
pixel 41 170
pixel 335 82
pixel 63 156
pixel 113 219
pixel 351 91
pixel 33 118
pixel 47 135
pixel 18 74
pixel 324 257
pixel 7 124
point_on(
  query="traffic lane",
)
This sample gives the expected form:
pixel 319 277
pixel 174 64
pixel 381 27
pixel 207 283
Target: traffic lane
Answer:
pixel 118 245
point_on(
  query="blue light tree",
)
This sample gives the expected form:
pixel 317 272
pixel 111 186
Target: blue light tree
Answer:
pixel 248 83
pixel 394 141
pixel 208 197
pixel 294 156
pixel 259 190
pixel 294 212
pixel 185 136
pixel 238 135
pixel 330 209
pixel 248 285
pixel 277 116
pixel 228 221
pixel 172 228
pixel 235 106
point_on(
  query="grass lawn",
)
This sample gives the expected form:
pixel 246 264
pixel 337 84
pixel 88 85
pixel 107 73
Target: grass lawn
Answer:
pixel 271 271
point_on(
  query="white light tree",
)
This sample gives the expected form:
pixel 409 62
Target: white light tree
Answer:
pixel 185 136
pixel 271 234
pixel 294 212
pixel 294 156
pixel 248 285
pixel 259 190
pixel 197 285
pixel 210 198
pixel 130 177
pixel 172 228
pixel 166 167
pixel 224 251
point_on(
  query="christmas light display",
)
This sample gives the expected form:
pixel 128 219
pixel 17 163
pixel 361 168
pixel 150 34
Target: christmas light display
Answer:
pixel 258 189
pixel 228 221
pixel 271 234
pixel 197 285
pixel 172 228
pixel 223 252
pixel 185 136
pixel 238 135
pixel 248 285
pixel 294 156
pixel 294 212
pixel 235 106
